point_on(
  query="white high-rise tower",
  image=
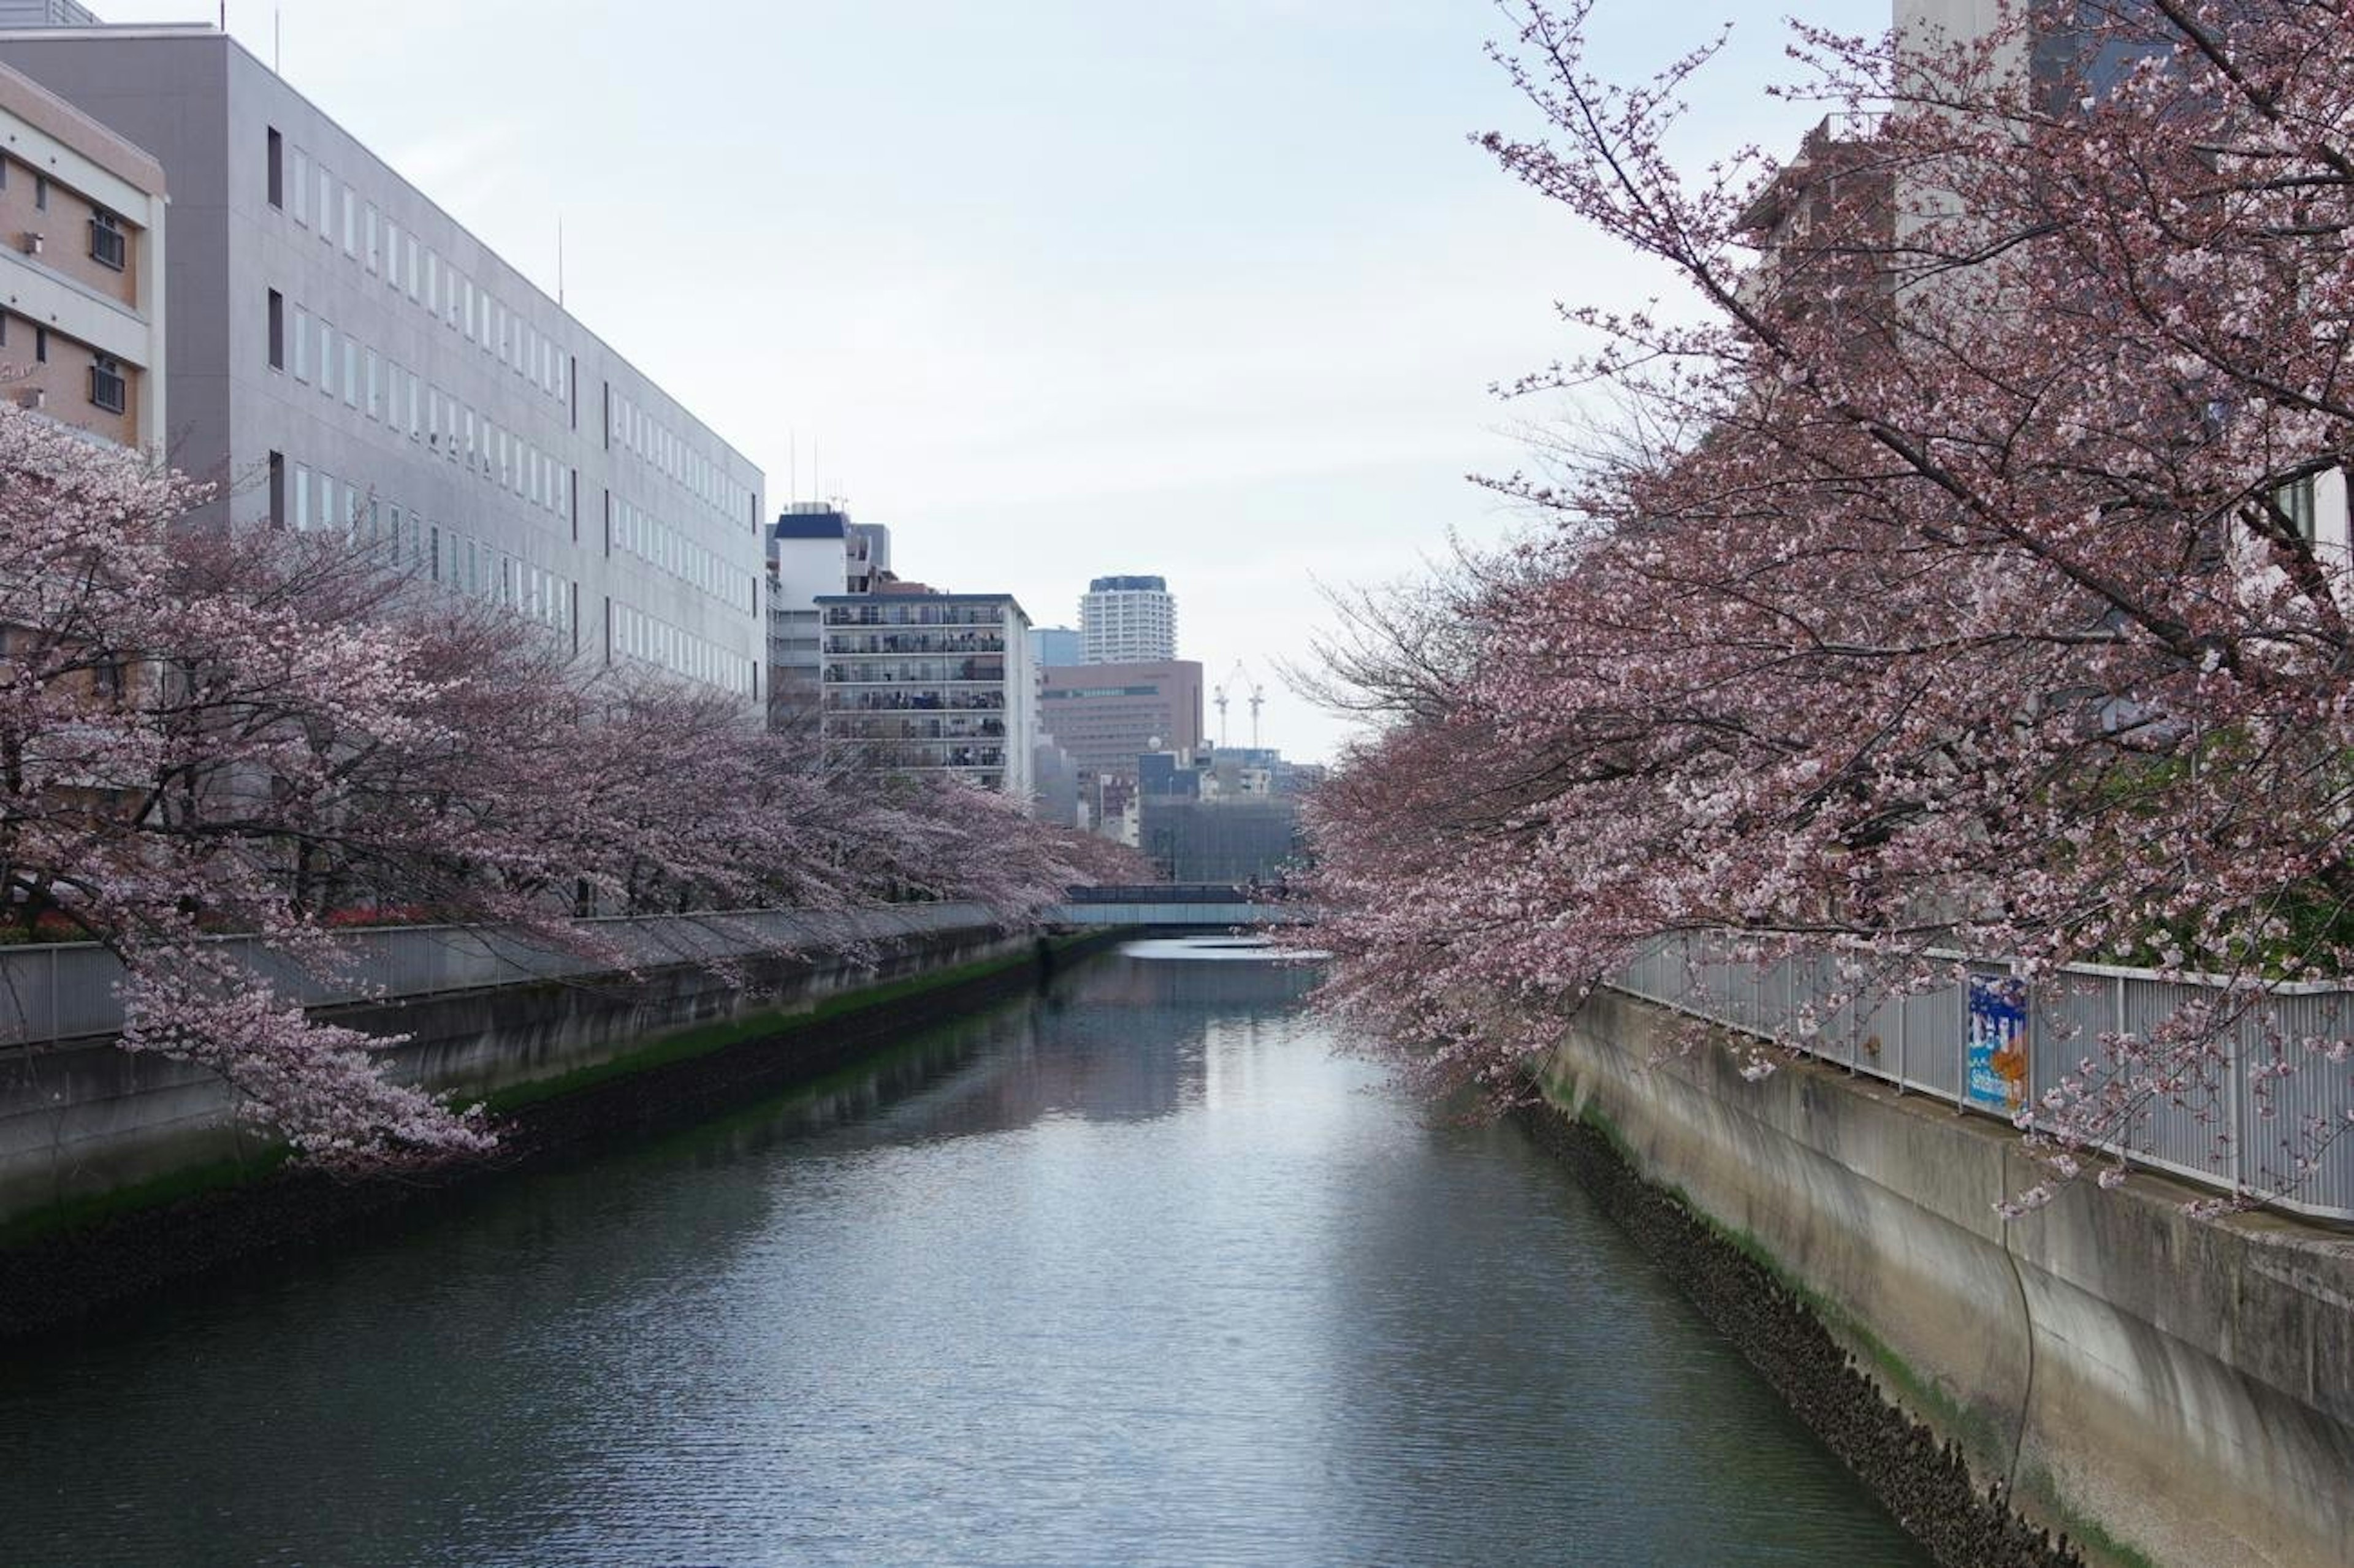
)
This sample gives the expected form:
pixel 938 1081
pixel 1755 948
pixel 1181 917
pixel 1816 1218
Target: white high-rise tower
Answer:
pixel 1128 620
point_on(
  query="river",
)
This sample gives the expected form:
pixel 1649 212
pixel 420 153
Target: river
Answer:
pixel 1136 1271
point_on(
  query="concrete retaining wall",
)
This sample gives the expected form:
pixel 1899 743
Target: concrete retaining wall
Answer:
pixel 2186 1386
pixel 83 1117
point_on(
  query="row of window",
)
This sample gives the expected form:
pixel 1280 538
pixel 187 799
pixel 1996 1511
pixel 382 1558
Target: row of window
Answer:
pixel 635 430
pixel 315 499
pixel 391 394
pixel 650 640
pixel 639 533
pixel 108 245
pixel 108 386
pixel 382 248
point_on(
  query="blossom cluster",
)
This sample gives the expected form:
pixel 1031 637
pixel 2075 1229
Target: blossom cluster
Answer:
pixel 273 734
pixel 1946 581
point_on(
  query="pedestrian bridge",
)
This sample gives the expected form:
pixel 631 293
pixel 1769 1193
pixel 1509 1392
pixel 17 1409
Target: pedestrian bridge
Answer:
pixel 1218 905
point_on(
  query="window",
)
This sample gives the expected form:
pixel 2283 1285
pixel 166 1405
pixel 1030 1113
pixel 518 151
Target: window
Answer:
pixel 411 242
pixel 277 167
pixel 416 426
pixel 369 237
pixel 351 221
pixel 326 206
pixel 375 406
pixel 301 497
pixel 301 344
pixel 326 359
pixel 302 187
pixel 351 371
pixel 107 244
pixel 276 326
pixel 41 193
pixel 40 345
pixel 277 488
pixel 2297 501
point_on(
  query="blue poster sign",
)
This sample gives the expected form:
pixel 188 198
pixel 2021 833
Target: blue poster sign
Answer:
pixel 1995 1073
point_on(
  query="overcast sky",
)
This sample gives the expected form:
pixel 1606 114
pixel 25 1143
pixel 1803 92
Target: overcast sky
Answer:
pixel 1054 287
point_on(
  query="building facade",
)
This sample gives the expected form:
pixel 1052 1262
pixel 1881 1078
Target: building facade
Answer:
pixel 1106 716
pixel 345 356
pixel 931 684
pixel 83 229
pixel 1128 620
pixel 1052 645
pixel 809 553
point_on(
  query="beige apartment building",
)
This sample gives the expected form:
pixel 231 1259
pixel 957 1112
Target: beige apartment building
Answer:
pixel 81 269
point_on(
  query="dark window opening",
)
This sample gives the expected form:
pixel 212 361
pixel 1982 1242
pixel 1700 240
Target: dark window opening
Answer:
pixel 107 387
pixel 278 490
pixel 277 330
pixel 277 168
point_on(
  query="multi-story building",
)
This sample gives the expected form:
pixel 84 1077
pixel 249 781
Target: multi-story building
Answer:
pixel 83 334
pixel 345 355
pixel 1106 716
pixel 932 682
pixel 809 551
pixel 1128 620
pixel 1052 645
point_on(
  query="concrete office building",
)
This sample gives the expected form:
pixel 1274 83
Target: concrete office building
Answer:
pixel 1106 716
pixel 82 212
pixel 1128 620
pixel 345 355
pixel 932 682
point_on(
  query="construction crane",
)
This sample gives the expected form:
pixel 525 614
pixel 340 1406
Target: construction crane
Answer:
pixel 1257 697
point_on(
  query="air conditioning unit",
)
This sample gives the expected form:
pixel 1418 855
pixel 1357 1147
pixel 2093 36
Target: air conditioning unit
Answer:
pixel 29 243
pixel 31 397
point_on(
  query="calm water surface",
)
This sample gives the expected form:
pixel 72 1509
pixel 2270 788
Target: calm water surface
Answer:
pixel 1135 1272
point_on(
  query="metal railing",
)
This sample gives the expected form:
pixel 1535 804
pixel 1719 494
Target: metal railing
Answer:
pixel 66 991
pixel 1987 1042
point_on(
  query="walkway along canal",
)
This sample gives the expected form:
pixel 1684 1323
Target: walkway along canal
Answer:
pixel 1135 1271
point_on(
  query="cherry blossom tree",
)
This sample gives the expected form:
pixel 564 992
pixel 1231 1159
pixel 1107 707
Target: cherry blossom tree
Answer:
pixel 273 735
pixel 1945 579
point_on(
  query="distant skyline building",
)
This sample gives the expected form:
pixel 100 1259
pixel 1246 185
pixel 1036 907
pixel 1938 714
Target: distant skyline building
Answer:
pixel 344 356
pixel 1128 620
pixel 1107 715
pixel 1054 645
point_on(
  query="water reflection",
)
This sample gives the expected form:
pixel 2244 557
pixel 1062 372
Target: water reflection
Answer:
pixel 1136 1272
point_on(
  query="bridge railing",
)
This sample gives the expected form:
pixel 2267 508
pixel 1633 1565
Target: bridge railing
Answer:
pixel 1183 892
pixel 66 991
pixel 1991 1043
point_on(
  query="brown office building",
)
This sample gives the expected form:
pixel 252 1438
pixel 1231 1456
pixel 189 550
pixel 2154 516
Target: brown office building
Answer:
pixel 1104 715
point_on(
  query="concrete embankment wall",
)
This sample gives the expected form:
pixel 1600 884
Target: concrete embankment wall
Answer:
pixel 2167 1389
pixel 80 1119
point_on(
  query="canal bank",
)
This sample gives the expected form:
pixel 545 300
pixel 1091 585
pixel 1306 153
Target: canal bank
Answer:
pixel 565 1070
pixel 2164 1390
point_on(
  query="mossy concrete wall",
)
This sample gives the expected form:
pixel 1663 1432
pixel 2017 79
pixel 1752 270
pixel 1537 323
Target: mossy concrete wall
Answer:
pixel 2166 1389
pixel 81 1118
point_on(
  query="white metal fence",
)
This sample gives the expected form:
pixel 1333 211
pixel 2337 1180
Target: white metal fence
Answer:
pixel 66 991
pixel 2226 1131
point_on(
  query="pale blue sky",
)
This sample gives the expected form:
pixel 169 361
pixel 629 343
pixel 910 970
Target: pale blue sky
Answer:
pixel 1054 289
